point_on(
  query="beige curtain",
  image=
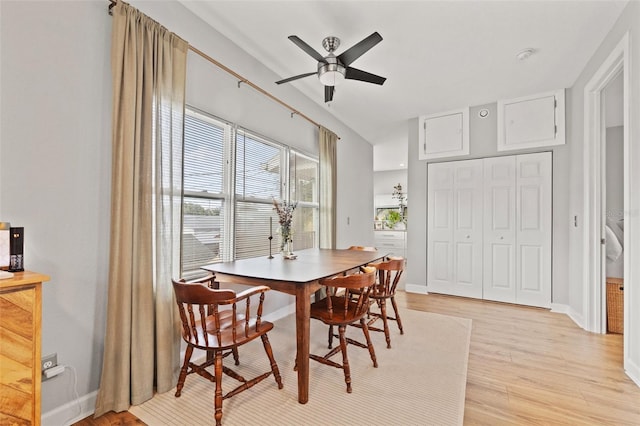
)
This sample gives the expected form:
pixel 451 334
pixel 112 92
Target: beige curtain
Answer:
pixel 328 179
pixel 142 342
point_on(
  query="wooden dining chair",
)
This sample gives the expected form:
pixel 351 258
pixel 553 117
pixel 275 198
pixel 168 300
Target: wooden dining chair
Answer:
pixel 218 322
pixel 331 333
pixel 340 309
pixel 389 272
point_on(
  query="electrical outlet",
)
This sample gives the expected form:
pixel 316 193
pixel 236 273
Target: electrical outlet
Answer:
pixel 49 361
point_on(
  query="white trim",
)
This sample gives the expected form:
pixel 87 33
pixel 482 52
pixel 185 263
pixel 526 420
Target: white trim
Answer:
pixel 593 304
pixel 416 288
pixel 560 308
pixel 633 371
pixel 67 414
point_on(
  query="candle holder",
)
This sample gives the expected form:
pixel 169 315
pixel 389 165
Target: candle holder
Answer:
pixel 270 240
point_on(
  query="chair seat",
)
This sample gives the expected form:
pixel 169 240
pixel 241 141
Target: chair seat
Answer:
pixel 242 335
pixel 338 315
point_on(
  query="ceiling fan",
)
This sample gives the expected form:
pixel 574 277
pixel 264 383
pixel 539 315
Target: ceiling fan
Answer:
pixel 334 69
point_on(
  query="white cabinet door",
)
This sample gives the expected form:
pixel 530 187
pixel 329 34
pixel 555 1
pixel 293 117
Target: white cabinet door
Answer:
pixel 499 281
pixel 533 216
pixel 531 121
pixel 444 135
pixel 454 261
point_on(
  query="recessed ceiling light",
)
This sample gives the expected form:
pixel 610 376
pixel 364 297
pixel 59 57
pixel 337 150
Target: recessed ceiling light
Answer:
pixel 525 53
pixel 401 164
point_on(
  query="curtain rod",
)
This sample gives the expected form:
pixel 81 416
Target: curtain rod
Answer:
pixel 240 78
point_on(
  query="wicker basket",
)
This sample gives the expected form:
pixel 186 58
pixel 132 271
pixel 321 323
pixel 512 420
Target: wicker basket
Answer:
pixel 615 303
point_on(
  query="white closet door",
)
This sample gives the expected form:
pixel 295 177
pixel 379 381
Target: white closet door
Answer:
pixel 467 228
pixel 440 228
pixel 533 221
pixel 454 242
pixel 500 229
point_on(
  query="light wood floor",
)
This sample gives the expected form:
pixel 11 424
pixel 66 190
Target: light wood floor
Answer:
pixel 527 366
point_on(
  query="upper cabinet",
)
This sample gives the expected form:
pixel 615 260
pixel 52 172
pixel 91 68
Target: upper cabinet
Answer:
pixel 443 135
pixel 531 121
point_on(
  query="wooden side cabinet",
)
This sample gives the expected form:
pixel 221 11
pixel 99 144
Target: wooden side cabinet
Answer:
pixel 20 338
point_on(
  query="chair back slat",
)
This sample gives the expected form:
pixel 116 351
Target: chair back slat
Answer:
pixel 351 291
pixel 207 312
pixel 389 273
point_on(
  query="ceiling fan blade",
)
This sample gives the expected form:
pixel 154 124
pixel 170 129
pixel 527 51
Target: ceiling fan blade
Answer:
pixel 295 77
pixel 328 93
pixel 310 50
pixel 356 74
pixel 357 50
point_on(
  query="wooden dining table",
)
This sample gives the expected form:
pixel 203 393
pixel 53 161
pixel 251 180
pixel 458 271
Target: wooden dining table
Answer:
pixel 299 277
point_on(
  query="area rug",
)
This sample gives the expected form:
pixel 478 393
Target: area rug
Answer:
pixel 421 380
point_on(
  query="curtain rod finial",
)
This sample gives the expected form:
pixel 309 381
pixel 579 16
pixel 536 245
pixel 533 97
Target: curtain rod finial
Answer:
pixel 111 5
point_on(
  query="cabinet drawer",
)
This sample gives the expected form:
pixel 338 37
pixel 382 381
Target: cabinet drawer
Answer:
pixel 389 235
pixel 389 244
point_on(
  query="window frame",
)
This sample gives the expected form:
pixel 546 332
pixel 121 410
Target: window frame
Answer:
pixel 229 196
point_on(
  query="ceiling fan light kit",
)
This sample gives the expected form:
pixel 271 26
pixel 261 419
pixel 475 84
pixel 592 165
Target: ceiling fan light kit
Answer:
pixel 332 69
pixel 332 73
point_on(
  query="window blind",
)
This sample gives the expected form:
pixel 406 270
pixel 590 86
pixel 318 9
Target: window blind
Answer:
pixel 203 222
pixel 258 181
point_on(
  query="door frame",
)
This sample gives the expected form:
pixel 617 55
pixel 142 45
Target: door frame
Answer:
pixel 594 294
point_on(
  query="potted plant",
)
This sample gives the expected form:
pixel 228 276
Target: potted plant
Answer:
pixel 393 218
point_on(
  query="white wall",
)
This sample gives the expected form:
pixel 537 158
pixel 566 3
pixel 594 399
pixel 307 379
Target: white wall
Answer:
pixel 629 21
pixel 384 181
pixel 483 143
pixel 55 171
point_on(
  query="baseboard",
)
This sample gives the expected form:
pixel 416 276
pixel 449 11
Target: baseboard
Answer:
pixel 71 412
pixel 576 317
pixel 280 313
pixel 633 371
pixel 415 288
pixel 560 308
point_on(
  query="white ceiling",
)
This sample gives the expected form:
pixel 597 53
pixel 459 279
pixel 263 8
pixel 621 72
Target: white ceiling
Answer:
pixel 436 55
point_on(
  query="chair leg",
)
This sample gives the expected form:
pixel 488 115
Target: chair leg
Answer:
pixel 183 370
pixel 345 359
pixel 372 352
pixel 218 392
pixel 236 357
pixel 395 309
pixel 330 337
pixel 272 360
pixel 385 322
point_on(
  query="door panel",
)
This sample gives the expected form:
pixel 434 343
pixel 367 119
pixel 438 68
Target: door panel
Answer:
pixel 499 270
pixel 439 228
pixel 454 241
pixel 533 215
pixel 531 269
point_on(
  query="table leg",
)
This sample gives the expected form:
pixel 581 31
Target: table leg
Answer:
pixel 303 309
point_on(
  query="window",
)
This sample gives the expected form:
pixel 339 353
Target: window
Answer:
pixel 204 200
pixel 303 178
pixel 259 179
pixel 231 177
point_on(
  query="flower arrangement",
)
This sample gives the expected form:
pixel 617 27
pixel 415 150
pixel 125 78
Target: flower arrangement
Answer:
pixel 285 217
pixel 399 195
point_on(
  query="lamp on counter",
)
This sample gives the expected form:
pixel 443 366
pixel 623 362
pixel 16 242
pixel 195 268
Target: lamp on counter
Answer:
pixel 4 245
pixel 16 254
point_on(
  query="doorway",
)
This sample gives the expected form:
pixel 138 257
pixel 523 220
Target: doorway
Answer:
pixel 594 301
